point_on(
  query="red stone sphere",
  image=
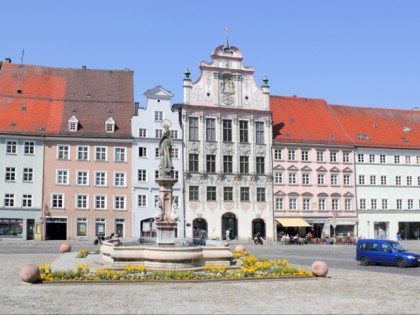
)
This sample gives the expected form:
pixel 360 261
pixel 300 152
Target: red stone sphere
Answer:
pixel 239 249
pixel 319 269
pixel 65 247
pixel 30 273
pixel 226 244
pixel 116 236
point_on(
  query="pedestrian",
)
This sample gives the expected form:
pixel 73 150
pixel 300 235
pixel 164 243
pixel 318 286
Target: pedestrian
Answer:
pixel 399 237
pixel 228 234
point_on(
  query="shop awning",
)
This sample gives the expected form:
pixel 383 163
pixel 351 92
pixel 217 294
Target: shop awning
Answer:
pixel 293 222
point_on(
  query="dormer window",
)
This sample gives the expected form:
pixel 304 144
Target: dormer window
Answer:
pixel 73 124
pixel 110 125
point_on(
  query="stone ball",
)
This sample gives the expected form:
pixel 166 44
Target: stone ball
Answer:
pixel 226 244
pixel 116 236
pixel 239 249
pixel 30 273
pixel 65 247
pixel 319 269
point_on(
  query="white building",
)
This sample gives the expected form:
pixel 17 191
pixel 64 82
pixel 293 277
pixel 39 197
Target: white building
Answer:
pixel 147 131
pixel 227 130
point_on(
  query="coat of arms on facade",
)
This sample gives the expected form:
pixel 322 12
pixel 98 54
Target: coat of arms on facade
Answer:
pixel 227 88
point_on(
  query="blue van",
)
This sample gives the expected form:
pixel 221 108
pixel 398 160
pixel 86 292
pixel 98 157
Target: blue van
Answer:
pixel 385 252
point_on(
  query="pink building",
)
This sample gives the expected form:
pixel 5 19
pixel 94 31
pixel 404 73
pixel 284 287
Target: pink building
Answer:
pixel 313 169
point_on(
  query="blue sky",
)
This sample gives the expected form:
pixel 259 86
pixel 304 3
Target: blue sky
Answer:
pixel 359 53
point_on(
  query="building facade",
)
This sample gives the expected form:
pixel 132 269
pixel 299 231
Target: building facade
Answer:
pixel 147 131
pixel 226 123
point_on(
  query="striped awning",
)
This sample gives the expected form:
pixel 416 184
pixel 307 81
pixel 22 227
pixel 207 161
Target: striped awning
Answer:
pixel 293 222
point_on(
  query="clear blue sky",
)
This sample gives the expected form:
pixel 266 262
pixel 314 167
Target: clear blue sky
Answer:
pixel 359 52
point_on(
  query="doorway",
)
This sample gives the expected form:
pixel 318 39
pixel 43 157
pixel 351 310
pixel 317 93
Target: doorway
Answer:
pixel 30 229
pixel 56 229
pixel 258 225
pixel 230 222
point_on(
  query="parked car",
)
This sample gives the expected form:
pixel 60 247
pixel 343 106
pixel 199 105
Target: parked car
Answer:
pixel 385 252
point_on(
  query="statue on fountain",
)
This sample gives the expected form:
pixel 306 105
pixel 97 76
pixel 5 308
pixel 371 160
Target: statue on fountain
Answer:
pixel 159 210
pixel 166 168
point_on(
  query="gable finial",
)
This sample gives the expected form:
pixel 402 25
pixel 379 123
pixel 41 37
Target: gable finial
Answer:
pixel 227 48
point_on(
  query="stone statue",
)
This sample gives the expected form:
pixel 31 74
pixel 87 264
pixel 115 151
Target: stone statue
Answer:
pixel 174 216
pixel 165 150
pixel 159 210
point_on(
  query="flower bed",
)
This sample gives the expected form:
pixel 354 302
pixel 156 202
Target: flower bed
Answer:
pixel 251 267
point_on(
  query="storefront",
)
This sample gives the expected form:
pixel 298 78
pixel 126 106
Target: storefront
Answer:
pixel 11 228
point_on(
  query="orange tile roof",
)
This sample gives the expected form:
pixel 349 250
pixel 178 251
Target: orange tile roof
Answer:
pixel 380 127
pixel 305 120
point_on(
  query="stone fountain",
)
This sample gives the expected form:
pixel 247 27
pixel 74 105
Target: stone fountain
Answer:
pixel 166 254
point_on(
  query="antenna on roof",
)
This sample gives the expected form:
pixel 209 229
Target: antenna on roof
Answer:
pixel 21 58
pixel 227 47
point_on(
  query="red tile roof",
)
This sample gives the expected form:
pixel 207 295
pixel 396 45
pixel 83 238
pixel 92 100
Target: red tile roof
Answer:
pixel 380 127
pixel 305 120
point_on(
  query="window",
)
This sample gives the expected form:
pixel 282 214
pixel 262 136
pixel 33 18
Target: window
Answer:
pixel 175 175
pixel 320 156
pixel 279 203
pixel 158 133
pixel 81 201
pixel 305 155
pixel 119 179
pixel 373 204
pixel 211 193
pixel 346 180
pixel 142 175
pixel 347 204
pixel 100 179
pixel 228 193
pixel 384 204
pixel 175 153
pixel 120 155
pixel 362 204
pixel 210 129
pixel 418 159
pixel 62 177
pixel 141 201
pixel 259 132
pixel 100 202
pixel 292 155
pixel 100 154
pixel 322 202
pixel 278 177
pixel 11 147
pixel 110 126
pixel 334 179
pixel 243 131
pixel 260 164
pixel 335 204
pixel 26 200
pixel 81 227
pixel 28 175
pixel 193 128
pixel 409 180
pixel 360 158
pixel 119 202
pixel 227 130
pixel 373 179
pixel 293 203
pixel 333 157
pixel 399 204
pixel 73 126
pixel 243 164
pixel 321 179
pixel 306 204
pixel 278 154
pixel 29 147
pixel 193 163
pixel 82 153
pixel 211 163
pixel 174 134
pixel 408 159
pixel 418 180
pixel 142 152
pixel 57 201
pixel 410 204
pixel 158 115
pixel 346 157
pixel 10 175
pixel 63 152
pixel 383 180
pixel 193 193
pixel 396 159
pixel 292 178
pixel 9 200
pixel 244 193
pixel 157 153
pixel 398 180
pixel 371 158
pixel 142 132
pixel 361 179
pixel 305 179
pixel 82 178
pixel 227 164
pixel 382 158
pixel 260 194
pixel 156 174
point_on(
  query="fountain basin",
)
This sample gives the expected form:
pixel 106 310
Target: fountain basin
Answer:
pixel 156 257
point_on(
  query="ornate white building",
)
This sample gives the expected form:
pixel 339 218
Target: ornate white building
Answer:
pixel 226 122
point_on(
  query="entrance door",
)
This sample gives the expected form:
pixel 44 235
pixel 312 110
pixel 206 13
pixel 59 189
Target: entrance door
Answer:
pixel 258 225
pixel 119 228
pixel 229 221
pixel 30 229
pixel 56 229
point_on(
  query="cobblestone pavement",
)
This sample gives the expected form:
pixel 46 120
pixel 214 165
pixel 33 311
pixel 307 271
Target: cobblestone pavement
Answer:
pixel 342 292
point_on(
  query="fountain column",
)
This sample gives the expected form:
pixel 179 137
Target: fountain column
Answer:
pixel 167 221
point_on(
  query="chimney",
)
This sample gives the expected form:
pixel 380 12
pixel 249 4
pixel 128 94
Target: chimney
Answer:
pixel 84 67
pixel 8 60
